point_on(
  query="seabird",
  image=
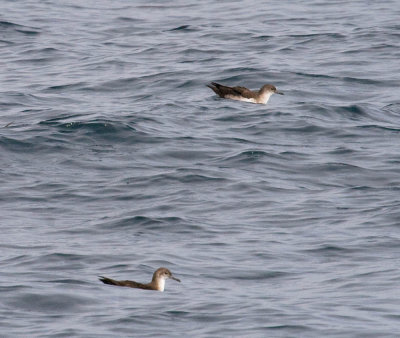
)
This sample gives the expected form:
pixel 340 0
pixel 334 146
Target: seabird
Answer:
pixel 243 93
pixel 157 283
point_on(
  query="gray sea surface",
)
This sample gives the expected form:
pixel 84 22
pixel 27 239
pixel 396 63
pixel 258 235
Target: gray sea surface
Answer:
pixel 281 220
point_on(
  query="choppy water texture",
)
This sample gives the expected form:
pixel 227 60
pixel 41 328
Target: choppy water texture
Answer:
pixel 280 220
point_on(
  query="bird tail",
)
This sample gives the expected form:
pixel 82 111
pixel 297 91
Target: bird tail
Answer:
pixel 107 280
pixel 210 86
pixel 214 87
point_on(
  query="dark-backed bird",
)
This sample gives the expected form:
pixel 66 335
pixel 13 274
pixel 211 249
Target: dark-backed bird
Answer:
pixel 157 283
pixel 244 94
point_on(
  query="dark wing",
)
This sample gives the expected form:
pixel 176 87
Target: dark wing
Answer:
pixel 245 92
pixel 127 283
pixel 223 91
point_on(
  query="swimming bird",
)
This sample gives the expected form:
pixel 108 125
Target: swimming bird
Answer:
pixel 243 93
pixel 157 283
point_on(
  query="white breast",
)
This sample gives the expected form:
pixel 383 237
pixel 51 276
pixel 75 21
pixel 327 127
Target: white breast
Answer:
pixel 264 99
pixel 161 284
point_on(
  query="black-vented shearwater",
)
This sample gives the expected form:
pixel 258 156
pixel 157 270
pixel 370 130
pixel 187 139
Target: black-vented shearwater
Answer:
pixel 157 283
pixel 243 93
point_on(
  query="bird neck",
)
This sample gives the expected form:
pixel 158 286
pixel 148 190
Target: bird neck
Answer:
pixel 158 283
pixel 264 97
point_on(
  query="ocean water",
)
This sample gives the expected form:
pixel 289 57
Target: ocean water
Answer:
pixel 281 220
